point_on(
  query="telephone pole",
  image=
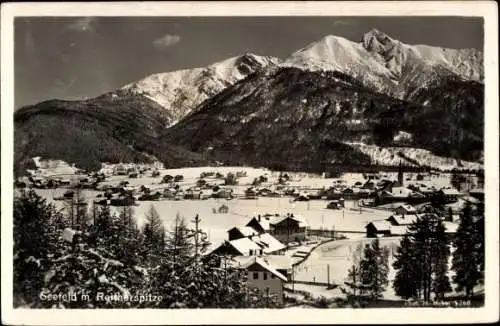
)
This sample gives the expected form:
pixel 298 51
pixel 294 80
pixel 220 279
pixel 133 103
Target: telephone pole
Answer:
pixel 196 222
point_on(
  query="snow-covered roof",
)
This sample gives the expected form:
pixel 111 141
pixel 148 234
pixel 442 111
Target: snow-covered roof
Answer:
pixel 262 263
pixel 268 243
pixel 381 225
pixel 398 229
pixel 244 245
pixel 264 222
pixel 276 261
pixel 404 219
pixel 400 192
pixel 246 231
pixel 302 222
pixel 449 191
pixel 451 227
pixel 407 207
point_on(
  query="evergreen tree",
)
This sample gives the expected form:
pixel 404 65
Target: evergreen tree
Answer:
pixel 128 246
pixel 466 261
pixel 37 226
pixel 179 244
pixel 405 283
pixel 439 257
pixel 423 258
pixel 154 236
pixel 374 269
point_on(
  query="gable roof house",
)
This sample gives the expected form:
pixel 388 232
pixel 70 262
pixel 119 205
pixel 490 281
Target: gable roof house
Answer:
pixel 289 228
pixel 241 232
pixel 403 219
pixel 376 229
pixel 259 224
pixel 404 209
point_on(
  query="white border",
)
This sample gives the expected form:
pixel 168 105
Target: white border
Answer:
pixel 486 9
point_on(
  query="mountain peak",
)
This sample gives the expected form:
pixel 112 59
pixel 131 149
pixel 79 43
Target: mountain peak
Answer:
pixel 375 39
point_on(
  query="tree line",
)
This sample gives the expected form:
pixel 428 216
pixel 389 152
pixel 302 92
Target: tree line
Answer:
pixel 112 255
pixel 423 261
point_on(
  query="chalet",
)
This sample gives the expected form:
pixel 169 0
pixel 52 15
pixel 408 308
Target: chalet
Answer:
pixel 449 194
pixel 269 244
pixel 260 224
pixel 376 229
pixel 289 228
pixel 403 219
pixel 239 247
pixel 240 232
pixel 404 209
pixel 281 263
pixel 265 277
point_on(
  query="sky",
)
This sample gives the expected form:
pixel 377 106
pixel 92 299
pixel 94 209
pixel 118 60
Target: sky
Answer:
pixel 81 57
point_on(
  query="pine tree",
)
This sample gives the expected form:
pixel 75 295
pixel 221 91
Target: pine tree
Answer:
pixel 374 269
pixel 154 236
pixel 440 256
pixel 37 226
pixel 405 283
pixel 179 244
pixel 466 261
pixel 423 257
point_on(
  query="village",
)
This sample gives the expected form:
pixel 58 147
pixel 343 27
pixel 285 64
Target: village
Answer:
pixel 291 234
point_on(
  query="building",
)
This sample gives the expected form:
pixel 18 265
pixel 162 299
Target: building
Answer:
pixel 238 247
pixel 269 244
pixel 261 274
pixel 241 232
pixel 289 228
pixel 376 229
pixel 403 219
pixel 449 194
pixel 260 224
pixel 404 209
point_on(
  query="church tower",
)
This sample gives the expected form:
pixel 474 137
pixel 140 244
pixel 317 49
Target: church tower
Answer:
pixel 400 175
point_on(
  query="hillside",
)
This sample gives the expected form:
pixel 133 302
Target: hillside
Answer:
pixel 292 118
pixel 179 92
pixel 113 127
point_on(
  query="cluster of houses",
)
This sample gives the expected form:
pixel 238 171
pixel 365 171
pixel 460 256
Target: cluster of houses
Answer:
pixel 257 249
pixel 129 169
pixel 397 224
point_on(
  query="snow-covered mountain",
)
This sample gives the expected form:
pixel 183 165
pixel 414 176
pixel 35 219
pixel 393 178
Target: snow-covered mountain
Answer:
pixel 181 91
pixel 388 65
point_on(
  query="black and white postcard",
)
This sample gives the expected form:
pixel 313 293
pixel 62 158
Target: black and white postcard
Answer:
pixel 225 162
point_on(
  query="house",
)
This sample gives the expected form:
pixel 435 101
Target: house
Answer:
pixel 404 209
pixel 283 264
pixel 376 229
pixel 269 244
pixel 240 232
pixel 262 275
pixel 238 247
pixel 403 219
pixel 289 228
pixel 449 194
pixel 260 224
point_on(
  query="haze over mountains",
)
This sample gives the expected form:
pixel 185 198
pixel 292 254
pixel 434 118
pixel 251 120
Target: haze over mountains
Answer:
pixel 291 112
